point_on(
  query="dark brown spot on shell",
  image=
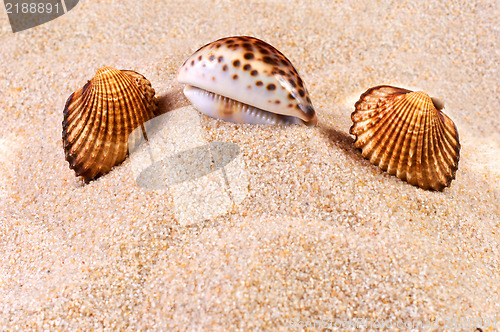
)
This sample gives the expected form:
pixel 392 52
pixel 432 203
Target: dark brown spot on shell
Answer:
pixel 235 77
pixel 277 102
pixel 200 57
pixel 269 60
pixel 292 83
pixel 236 63
pixel 211 58
pixel 302 93
pixel 263 50
pixel 271 87
pixel 247 67
pixel 192 62
pixel 254 73
pixel 247 46
pixel 220 59
pixel 248 56
pixel 259 83
pixel 224 68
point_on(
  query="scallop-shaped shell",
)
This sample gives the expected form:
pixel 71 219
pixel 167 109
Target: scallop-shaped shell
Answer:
pixel 406 134
pixel 243 79
pixel 99 117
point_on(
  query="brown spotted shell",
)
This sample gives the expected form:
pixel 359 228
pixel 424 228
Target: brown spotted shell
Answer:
pixel 406 134
pixel 246 80
pixel 99 117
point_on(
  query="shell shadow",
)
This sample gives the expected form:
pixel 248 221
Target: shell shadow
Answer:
pixel 171 100
pixel 342 140
pixel 188 165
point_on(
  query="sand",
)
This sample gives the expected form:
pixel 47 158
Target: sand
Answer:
pixel 303 230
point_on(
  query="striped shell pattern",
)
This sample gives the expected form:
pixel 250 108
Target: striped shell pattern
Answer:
pixel 99 117
pixel 406 134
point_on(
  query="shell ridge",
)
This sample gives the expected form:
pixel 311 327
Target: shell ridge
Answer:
pixel 119 109
pixel 77 130
pixel 390 156
pixel 100 137
pixel 407 155
pixel 128 100
pixel 363 129
pixel 450 132
pixel 436 175
pixel 420 109
pixel 140 100
pixel 363 112
pixel 370 127
pixel 73 102
pixel 414 167
pixel 385 129
pixel 428 177
pixel 443 144
pixel 111 151
pixel 441 167
pixel 450 155
pixel 146 91
pixel 419 166
pixel 401 143
pixel 75 113
pixel 98 127
pixel 393 112
pixel 88 137
pixel 67 122
pixel 79 142
pixel 396 156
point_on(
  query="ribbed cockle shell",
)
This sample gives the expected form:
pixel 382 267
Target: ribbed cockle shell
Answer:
pixel 245 80
pixel 99 117
pixel 406 134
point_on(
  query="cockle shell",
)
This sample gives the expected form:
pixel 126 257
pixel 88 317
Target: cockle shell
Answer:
pixel 245 80
pixel 99 117
pixel 406 134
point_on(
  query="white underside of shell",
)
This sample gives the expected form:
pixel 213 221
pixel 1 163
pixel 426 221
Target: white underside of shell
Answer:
pixel 220 107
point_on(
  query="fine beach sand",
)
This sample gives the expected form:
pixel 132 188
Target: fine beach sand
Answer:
pixel 315 232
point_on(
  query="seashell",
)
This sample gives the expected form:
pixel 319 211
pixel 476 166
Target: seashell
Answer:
pixel 245 80
pixel 99 117
pixel 406 134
